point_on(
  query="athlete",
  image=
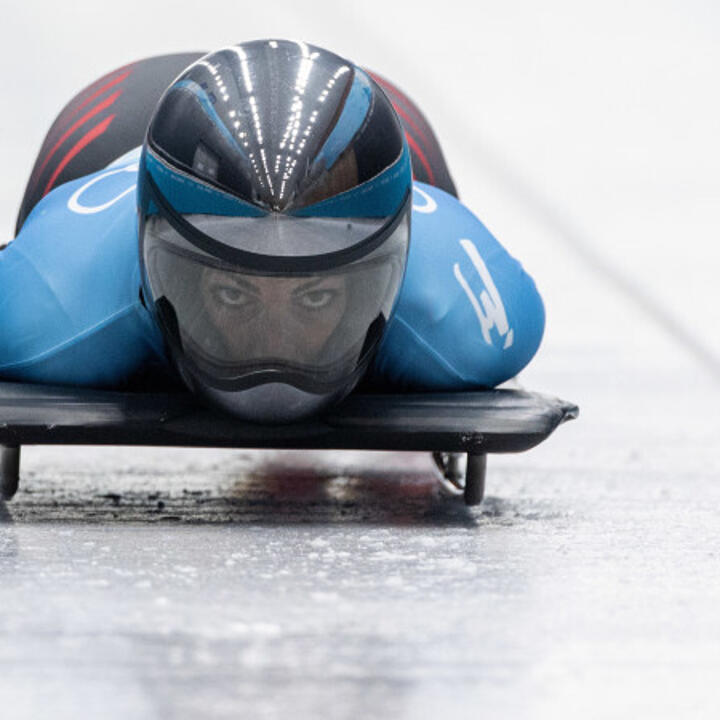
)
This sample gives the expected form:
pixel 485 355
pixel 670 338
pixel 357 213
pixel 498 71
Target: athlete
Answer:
pixel 242 220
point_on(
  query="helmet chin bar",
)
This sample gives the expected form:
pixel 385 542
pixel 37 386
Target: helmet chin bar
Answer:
pixel 270 403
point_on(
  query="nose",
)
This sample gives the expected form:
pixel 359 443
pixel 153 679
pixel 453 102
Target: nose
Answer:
pixel 275 335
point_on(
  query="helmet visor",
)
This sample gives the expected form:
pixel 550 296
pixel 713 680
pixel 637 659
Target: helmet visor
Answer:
pixel 313 328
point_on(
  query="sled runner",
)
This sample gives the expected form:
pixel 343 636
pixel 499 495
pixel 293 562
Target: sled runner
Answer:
pixel 446 424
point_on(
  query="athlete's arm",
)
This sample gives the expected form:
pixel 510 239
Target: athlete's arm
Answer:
pixel 468 315
pixel 70 311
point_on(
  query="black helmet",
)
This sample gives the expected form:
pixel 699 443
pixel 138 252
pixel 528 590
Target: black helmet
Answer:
pixel 274 203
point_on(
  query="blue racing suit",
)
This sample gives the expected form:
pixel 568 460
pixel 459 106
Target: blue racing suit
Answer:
pixel 71 311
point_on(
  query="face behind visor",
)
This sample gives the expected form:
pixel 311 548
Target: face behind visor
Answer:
pixel 239 328
pixel 274 207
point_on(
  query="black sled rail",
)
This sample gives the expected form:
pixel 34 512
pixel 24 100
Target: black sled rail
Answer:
pixel 476 423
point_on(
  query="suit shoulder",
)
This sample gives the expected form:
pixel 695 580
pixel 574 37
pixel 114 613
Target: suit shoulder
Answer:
pixel 436 212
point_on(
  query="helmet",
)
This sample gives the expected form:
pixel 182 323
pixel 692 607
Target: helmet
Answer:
pixel 274 225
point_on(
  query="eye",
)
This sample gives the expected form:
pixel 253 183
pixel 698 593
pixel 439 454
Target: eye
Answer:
pixel 316 299
pixel 231 296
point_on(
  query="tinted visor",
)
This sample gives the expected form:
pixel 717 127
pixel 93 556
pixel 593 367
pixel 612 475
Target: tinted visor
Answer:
pixel 310 328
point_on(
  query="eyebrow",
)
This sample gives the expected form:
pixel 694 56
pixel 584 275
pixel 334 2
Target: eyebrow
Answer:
pixel 309 284
pixel 237 280
pixel 247 285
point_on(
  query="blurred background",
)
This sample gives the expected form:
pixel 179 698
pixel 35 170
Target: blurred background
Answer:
pixel 585 135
